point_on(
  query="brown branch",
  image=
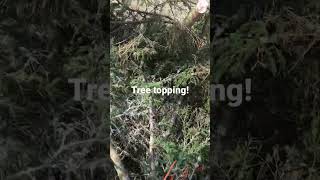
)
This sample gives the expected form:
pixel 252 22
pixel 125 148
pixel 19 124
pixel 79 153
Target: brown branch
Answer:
pixel 150 13
pixel 170 169
pixel 153 20
pixel 146 12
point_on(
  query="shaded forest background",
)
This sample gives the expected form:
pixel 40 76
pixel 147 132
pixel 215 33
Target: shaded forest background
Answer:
pixel 275 135
pixel 44 133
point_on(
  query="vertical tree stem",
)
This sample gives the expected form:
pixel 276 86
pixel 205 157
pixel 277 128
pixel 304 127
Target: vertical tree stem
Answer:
pixel 152 128
pixel 121 170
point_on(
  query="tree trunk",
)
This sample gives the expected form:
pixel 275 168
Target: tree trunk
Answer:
pixel 197 13
pixel 121 170
pixel 152 128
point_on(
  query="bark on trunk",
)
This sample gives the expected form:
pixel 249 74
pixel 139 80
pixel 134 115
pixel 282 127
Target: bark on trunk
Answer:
pixel 197 13
pixel 121 170
pixel 152 128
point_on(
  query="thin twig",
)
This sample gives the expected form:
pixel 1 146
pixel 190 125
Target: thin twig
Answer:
pixel 303 55
pixel 28 171
pixel 170 169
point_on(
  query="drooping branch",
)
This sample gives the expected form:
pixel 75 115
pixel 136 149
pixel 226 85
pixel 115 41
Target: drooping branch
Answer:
pixel 140 22
pixel 201 8
pixel 153 15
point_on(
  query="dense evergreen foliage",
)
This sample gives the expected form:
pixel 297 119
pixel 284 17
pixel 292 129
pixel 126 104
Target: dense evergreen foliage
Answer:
pixel 45 134
pixel 163 52
pixel 276 135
